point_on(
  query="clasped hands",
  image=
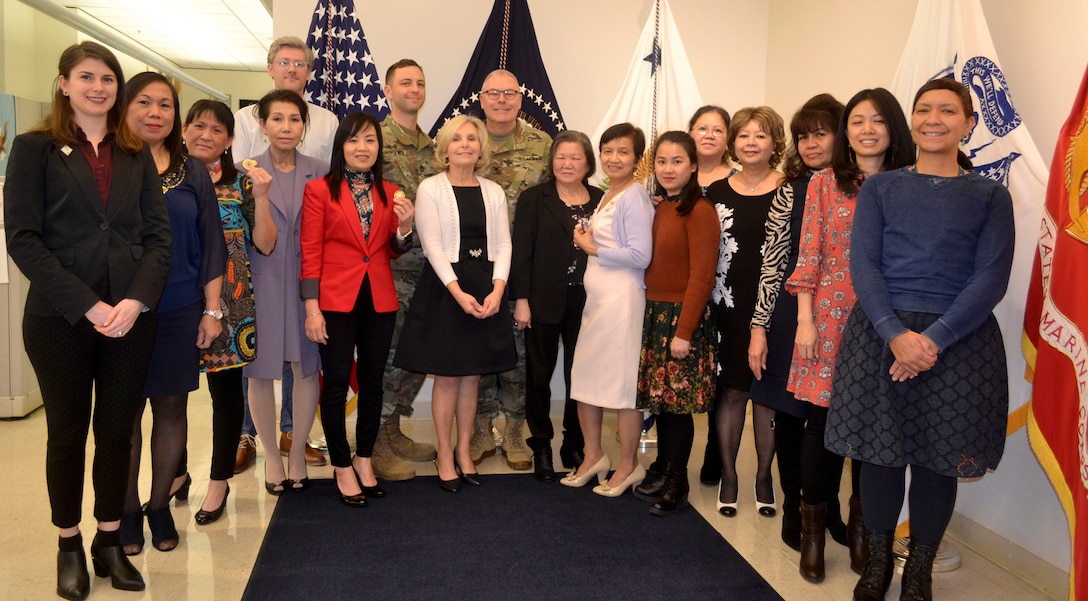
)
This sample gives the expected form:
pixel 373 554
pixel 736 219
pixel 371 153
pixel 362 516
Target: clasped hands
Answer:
pixel 914 353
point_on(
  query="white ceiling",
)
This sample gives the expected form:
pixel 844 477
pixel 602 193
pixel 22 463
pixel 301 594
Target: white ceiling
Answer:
pixel 196 34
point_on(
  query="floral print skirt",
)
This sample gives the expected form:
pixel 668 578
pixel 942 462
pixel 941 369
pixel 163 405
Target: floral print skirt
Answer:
pixel 668 385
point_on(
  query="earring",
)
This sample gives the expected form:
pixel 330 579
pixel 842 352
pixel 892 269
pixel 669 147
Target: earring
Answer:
pixel 65 92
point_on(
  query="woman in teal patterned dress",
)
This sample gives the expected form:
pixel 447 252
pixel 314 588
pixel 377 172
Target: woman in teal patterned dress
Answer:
pixel 209 131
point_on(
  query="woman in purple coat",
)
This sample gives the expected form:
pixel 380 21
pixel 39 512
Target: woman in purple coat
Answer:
pixel 280 176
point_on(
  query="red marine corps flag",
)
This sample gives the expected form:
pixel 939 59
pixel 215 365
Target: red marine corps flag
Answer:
pixel 1055 324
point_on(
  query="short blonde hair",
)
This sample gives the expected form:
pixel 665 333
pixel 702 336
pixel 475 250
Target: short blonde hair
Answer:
pixel 769 121
pixel 445 135
pixel 290 41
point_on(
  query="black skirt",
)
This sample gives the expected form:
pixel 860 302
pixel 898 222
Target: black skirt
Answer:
pixel 175 360
pixel 440 338
pixel 770 391
pixel 950 419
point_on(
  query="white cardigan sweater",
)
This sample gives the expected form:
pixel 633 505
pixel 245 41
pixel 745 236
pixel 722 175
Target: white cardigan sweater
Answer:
pixel 439 226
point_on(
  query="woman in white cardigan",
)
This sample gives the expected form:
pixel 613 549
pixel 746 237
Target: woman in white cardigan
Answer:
pixel 458 325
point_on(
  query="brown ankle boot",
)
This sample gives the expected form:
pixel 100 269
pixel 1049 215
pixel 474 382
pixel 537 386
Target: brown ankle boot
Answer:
pixel 877 575
pixel 918 573
pixel 855 535
pixel 813 538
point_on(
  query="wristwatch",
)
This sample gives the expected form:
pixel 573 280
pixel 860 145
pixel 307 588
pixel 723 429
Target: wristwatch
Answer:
pixel 218 315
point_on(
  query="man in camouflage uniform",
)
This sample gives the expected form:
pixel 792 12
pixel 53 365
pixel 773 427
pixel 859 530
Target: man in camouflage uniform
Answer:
pixel 519 154
pixel 408 158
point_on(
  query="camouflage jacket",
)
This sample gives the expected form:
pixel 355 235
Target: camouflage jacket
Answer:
pixel 408 158
pixel 520 163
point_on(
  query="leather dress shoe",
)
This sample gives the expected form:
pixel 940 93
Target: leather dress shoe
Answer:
pixel 246 455
pixel 203 518
pixel 542 463
pixel 111 561
pixel 313 456
pixel 375 491
pixel 651 486
pixel 73 581
pixel 571 458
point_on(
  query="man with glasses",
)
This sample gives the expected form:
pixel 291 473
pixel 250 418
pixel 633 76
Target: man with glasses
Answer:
pixel 408 158
pixel 519 154
pixel 289 64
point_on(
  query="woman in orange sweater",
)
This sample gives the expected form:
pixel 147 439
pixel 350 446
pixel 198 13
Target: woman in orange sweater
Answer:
pixel 677 370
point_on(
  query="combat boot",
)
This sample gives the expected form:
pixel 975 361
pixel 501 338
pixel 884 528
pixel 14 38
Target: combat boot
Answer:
pixel 518 456
pixel 387 465
pixel 405 447
pixel 482 444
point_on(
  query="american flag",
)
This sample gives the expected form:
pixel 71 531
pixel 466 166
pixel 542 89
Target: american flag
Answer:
pixel 344 79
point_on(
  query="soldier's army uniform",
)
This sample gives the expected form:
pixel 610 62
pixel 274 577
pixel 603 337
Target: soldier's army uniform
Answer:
pixel 408 158
pixel 517 164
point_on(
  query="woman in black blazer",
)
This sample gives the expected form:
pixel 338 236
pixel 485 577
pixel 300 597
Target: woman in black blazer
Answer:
pixel 546 283
pixel 87 225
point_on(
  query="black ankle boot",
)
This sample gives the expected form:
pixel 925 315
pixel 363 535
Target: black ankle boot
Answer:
pixel 855 535
pixel 652 485
pixel 674 494
pixel 918 573
pixel 108 559
pixel 73 581
pixel 542 462
pixel 877 575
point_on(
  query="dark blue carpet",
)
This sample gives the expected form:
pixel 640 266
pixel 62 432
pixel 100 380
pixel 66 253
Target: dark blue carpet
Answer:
pixel 511 539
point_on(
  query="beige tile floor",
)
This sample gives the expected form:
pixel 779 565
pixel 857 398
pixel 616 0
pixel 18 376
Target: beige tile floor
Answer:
pixel 214 562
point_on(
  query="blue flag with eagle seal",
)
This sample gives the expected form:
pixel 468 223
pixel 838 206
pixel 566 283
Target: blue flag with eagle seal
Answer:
pixel 508 42
pixel 344 78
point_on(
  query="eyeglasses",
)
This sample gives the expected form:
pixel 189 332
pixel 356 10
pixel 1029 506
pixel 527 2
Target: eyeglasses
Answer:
pixel 705 132
pixel 507 94
pixel 284 63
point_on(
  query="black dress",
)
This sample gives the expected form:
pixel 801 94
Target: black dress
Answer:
pixel 438 336
pixel 744 222
pixel 782 329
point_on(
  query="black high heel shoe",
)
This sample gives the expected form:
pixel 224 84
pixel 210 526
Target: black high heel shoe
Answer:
pixel 111 561
pixel 182 493
pixel 163 532
pixel 73 581
pixel 300 485
pixel 448 485
pixel 356 500
pixel 376 491
pixel 473 478
pixel 203 518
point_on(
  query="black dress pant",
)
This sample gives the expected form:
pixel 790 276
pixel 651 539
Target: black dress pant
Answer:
pixel 69 361
pixel 368 334
pixel 228 410
pixel 541 354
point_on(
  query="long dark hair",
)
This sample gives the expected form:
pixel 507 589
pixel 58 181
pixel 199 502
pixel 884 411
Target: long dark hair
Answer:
pixel 352 124
pixel 959 90
pixel 691 192
pixel 822 111
pixel 900 151
pixel 221 113
pixel 58 123
pixel 172 143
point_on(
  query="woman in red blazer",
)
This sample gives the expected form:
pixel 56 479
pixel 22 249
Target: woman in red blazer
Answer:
pixel 353 223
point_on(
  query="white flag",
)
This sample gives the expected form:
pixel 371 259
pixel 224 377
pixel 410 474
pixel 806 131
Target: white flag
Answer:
pixel 950 39
pixel 660 92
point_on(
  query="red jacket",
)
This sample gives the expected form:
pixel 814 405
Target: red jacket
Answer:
pixel 336 257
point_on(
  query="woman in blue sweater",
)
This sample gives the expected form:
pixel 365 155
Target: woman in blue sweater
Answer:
pixel 921 378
